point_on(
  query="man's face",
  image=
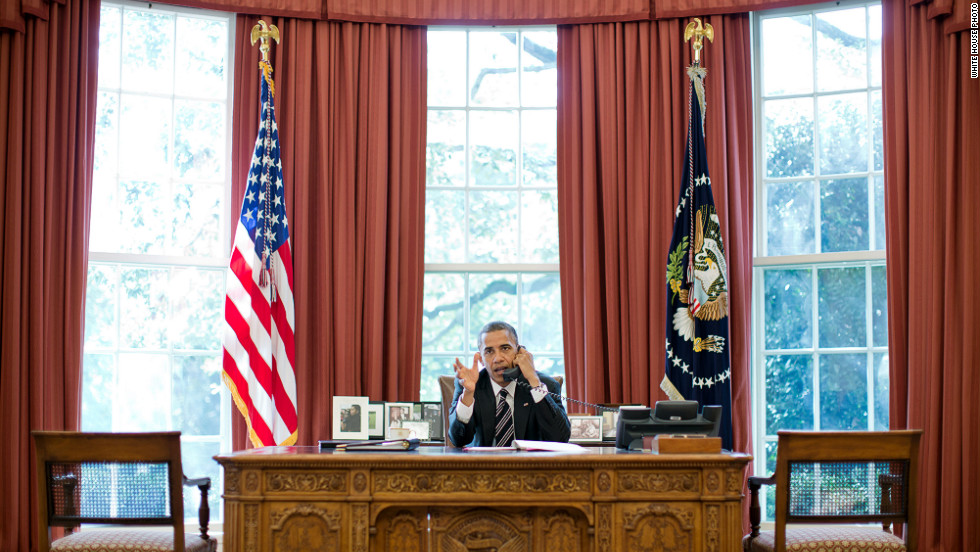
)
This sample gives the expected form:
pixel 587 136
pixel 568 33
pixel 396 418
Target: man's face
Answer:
pixel 499 350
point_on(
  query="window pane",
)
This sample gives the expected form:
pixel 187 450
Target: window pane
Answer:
pixel 541 312
pixel 202 45
pixel 539 82
pixel 879 182
pixel 494 137
pixel 197 395
pixel 842 58
pixel 787 55
pixel 493 69
pixel 789 218
pixel 143 309
pixel 879 306
pixel 539 141
pixel 539 227
pixel 106 134
pixel 100 306
pixel 445 226
pixel 844 215
pixel 144 136
pixel 789 137
pixel 789 314
pixel 196 226
pixel 435 366
pixel 142 393
pixel 843 392
pixel 789 392
pixel 110 43
pixel 196 459
pixel 445 149
pixel 148 51
pixel 874 34
pixel 492 297
pixel 493 227
pixel 98 391
pixel 881 390
pixel 198 321
pixel 143 205
pixel 447 53
pixel 442 313
pixel 199 147
pixel 877 132
pixel 843 123
pixel 551 366
pixel 842 307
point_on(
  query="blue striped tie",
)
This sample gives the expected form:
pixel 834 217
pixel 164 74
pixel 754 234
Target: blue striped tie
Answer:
pixel 504 433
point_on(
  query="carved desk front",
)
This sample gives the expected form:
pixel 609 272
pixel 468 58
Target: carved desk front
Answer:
pixel 298 498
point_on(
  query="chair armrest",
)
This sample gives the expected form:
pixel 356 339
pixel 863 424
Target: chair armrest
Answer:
pixel 204 512
pixel 755 513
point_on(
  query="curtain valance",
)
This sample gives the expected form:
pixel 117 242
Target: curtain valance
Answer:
pixel 955 13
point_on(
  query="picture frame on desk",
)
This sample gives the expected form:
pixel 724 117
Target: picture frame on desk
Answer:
pixel 376 420
pixel 350 420
pixel 432 415
pixel 585 429
pixel 395 414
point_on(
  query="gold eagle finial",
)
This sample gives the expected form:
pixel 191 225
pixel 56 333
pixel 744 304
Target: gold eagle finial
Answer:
pixel 694 29
pixel 262 31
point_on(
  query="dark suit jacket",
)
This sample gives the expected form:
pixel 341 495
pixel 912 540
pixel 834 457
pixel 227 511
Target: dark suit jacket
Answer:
pixel 541 421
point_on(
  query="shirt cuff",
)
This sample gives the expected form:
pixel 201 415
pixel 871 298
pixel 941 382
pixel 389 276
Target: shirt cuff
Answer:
pixel 463 412
pixel 537 393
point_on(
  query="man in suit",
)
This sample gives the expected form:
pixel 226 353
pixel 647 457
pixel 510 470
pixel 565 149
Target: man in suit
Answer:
pixel 489 410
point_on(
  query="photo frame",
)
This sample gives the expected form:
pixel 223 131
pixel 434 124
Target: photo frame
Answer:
pixel 585 429
pixel 419 430
pixel 350 418
pixel 376 420
pixel 395 414
pixel 432 415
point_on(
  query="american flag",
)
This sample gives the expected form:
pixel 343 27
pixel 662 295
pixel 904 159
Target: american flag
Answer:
pixel 258 343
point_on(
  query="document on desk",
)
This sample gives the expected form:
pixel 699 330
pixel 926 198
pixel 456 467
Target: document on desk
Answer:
pixel 489 449
pixel 523 444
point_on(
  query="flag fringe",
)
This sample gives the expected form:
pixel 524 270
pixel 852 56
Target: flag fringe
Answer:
pixel 668 387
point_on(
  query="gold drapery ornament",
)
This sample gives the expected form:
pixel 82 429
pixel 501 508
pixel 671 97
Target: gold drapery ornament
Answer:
pixel 693 29
pixel 262 31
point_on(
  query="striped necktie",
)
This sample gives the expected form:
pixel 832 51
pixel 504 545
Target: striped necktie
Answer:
pixel 504 433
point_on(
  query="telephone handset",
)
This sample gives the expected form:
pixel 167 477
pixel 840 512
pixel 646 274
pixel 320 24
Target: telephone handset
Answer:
pixel 511 374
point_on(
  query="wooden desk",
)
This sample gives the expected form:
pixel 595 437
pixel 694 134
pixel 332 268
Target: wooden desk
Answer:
pixel 297 498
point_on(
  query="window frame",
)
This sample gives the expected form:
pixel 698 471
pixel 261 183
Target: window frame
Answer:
pixel 518 270
pixel 763 443
pixel 217 263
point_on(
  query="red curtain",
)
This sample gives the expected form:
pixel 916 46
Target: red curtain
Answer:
pixel 351 110
pixel 622 120
pixel 47 128
pixel 932 189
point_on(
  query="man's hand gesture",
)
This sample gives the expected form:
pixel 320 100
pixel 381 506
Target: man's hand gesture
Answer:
pixel 467 378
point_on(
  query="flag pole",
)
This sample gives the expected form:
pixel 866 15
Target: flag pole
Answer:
pixel 262 31
pixel 694 30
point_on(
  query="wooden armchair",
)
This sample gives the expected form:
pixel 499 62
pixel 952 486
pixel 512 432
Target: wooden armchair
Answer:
pixel 848 478
pixel 115 479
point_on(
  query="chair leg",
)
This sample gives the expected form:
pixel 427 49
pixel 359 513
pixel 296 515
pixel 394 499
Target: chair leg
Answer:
pixel 204 513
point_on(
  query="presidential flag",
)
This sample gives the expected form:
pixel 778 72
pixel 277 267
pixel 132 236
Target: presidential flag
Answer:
pixel 697 364
pixel 258 343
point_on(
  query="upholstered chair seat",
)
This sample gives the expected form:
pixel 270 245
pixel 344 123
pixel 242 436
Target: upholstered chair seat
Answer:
pixel 122 540
pixel 829 539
